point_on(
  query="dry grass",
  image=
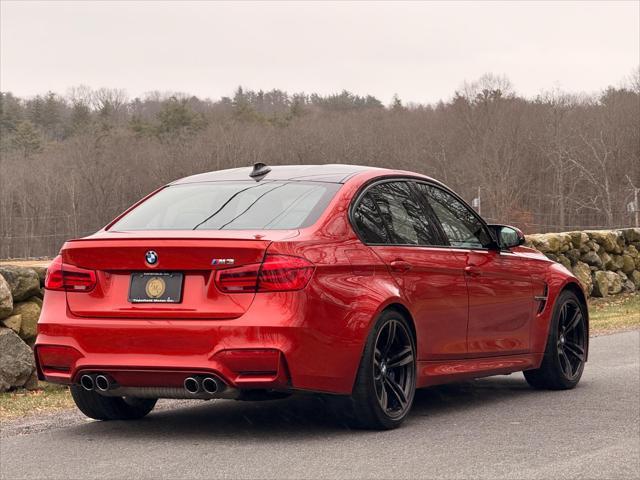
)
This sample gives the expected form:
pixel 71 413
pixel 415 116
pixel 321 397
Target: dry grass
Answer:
pixel 612 314
pixel 20 403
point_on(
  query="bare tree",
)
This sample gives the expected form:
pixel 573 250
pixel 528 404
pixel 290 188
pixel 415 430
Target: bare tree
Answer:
pixel 558 161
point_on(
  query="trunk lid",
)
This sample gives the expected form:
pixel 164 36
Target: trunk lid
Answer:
pixel 116 255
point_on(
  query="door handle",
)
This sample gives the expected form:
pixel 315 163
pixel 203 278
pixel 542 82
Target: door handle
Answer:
pixel 472 271
pixel 400 266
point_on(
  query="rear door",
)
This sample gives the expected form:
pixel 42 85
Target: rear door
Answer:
pixel 500 286
pixel 393 222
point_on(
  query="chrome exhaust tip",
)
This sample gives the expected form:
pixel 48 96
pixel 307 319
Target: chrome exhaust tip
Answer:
pixel 192 385
pixel 102 383
pixel 86 381
pixel 210 385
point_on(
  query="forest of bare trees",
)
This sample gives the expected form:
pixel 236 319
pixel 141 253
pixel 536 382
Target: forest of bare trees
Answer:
pixel 68 164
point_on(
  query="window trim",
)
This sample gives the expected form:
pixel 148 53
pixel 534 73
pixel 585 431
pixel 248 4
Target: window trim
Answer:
pixel 355 202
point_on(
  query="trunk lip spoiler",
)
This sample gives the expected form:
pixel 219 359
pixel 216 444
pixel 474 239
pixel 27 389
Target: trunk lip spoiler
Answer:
pixel 187 235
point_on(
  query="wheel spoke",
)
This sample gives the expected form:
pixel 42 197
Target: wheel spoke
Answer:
pixel 383 397
pixel 563 316
pixel 397 391
pixel 574 349
pixel 405 357
pixel 377 358
pixel 565 364
pixel 575 321
pixel 391 335
pixel 377 355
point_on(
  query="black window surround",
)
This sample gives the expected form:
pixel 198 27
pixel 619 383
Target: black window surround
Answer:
pixel 485 229
pixel 428 211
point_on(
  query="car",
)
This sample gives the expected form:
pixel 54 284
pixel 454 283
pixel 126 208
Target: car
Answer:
pixel 359 284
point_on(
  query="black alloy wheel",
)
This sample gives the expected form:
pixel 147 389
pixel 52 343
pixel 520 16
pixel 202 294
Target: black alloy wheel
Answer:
pixel 567 346
pixel 571 340
pixel 386 381
pixel 394 368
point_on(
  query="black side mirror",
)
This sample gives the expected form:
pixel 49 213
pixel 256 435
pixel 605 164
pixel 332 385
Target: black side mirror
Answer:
pixel 507 236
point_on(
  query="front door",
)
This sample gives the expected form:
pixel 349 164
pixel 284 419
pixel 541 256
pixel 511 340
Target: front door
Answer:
pixel 500 303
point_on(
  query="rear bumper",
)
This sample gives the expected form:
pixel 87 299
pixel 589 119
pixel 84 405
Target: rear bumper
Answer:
pixel 238 368
pixel 282 342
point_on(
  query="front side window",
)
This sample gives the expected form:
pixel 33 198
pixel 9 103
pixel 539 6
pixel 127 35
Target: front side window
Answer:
pixel 461 226
pixel 231 206
pixel 393 205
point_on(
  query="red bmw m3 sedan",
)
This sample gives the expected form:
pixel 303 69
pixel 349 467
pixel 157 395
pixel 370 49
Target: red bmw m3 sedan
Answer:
pixel 359 283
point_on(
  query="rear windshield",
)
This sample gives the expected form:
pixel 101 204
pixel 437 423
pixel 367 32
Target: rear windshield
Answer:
pixel 231 206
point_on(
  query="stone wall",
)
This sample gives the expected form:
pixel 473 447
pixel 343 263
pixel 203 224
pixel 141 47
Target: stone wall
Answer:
pixel 606 262
pixel 21 294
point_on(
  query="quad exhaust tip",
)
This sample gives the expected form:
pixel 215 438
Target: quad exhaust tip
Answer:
pixel 209 385
pixel 102 383
pixel 86 381
pixel 192 385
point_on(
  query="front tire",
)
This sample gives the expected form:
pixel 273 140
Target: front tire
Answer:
pixel 386 380
pixel 99 407
pixel 566 350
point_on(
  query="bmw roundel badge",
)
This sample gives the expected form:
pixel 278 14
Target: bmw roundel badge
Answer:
pixel 151 257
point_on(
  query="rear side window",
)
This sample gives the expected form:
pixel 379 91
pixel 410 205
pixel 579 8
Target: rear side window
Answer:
pixel 231 206
pixel 369 222
pixel 398 211
pixel 461 226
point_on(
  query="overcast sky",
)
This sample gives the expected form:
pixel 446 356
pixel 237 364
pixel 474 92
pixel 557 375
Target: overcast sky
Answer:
pixel 422 51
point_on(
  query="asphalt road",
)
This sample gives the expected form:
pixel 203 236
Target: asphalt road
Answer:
pixel 491 428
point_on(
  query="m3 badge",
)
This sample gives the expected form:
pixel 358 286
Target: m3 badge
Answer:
pixel 223 261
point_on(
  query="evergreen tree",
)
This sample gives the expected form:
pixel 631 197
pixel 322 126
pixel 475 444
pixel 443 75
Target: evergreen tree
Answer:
pixel 11 113
pixel 51 116
pixel 80 119
pixel 242 108
pixel 176 118
pixel 27 139
pixel 396 103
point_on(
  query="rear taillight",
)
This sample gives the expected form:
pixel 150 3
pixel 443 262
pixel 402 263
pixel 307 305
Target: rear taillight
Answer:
pixel 278 273
pixel 282 272
pixel 239 280
pixel 69 278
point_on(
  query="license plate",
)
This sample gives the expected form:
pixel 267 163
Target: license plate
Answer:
pixel 155 287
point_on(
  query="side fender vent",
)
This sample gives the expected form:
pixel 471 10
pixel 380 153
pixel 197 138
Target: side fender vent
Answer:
pixel 542 299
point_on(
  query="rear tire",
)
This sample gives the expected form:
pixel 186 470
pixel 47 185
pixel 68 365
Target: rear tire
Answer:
pixel 567 345
pixel 99 407
pixel 386 381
